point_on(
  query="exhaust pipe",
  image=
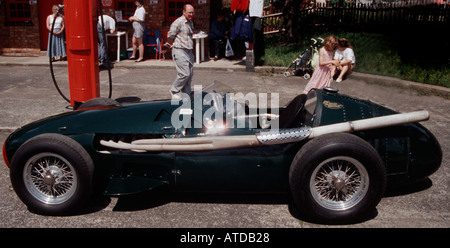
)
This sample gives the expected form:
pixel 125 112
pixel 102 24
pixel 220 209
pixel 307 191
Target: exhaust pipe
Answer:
pixel 265 138
pixel 371 123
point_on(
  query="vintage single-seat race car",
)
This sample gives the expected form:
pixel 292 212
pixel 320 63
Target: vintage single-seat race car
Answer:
pixel 333 153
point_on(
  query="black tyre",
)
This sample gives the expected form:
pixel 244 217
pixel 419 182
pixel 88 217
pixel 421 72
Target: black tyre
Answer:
pixel 52 174
pixel 337 178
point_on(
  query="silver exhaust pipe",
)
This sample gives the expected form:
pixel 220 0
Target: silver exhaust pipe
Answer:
pixel 272 137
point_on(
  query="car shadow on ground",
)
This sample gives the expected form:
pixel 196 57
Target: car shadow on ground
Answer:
pixel 148 200
pixel 398 190
pixel 159 197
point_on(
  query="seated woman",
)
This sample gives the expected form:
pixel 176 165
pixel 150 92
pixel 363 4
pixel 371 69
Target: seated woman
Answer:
pixel 346 57
pixel 218 36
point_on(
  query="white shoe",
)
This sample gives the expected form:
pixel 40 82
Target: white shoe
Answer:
pixel 174 96
pixel 338 80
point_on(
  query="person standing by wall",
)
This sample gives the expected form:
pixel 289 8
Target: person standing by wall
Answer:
pixel 58 46
pixel 180 40
pixel 110 26
pixel 138 20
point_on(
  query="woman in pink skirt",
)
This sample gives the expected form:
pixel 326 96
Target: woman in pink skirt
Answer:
pixel 321 76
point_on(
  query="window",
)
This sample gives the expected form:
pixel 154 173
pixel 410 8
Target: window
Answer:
pixel 174 9
pixel 127 7
pixel 18 11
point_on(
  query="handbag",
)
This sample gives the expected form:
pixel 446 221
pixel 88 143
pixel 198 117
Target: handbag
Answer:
pixel 228 49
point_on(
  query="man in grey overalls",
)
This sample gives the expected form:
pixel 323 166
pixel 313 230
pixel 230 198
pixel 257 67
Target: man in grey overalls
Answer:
pixel 180 40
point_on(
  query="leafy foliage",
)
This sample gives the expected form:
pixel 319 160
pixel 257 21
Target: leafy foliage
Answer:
pixel 381 54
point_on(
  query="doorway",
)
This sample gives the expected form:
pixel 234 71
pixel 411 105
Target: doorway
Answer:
pixel 45 9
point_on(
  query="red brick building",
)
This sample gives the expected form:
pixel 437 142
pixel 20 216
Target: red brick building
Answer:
pixel 23 31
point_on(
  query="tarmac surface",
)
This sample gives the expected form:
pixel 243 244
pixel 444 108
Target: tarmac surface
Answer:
pixel 27 94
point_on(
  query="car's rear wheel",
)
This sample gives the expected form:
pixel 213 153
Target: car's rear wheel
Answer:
pixel 52 174
pixel 337 178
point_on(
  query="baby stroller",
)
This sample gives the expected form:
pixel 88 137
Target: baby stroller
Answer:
pixel 305 63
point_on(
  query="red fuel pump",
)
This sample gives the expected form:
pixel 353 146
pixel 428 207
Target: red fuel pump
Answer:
pixel 82 49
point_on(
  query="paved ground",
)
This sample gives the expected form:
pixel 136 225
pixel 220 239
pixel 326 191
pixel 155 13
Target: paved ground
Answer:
pixel 27 94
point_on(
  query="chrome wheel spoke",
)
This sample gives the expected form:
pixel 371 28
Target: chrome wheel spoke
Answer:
pixel 50 178
pixel 339 183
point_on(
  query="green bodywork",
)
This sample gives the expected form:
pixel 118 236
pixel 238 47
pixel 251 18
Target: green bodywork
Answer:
pixel 410 152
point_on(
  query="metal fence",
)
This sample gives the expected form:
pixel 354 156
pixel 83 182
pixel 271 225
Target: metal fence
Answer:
pixel 362 17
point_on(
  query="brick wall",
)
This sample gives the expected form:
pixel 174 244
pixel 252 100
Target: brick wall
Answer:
pixel 19 39
pixel 155 19
pixel 24 38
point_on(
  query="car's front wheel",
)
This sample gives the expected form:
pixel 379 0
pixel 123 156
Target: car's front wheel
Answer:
pixel 52 174
pixel 337 178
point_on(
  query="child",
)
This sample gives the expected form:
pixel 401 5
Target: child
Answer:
pixel 346 57
pixel 321 76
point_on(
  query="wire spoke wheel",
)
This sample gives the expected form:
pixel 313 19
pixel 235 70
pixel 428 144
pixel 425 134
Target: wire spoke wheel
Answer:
pixel 337 178
pixel 52 174
pixel 50 178
pixel 339 183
